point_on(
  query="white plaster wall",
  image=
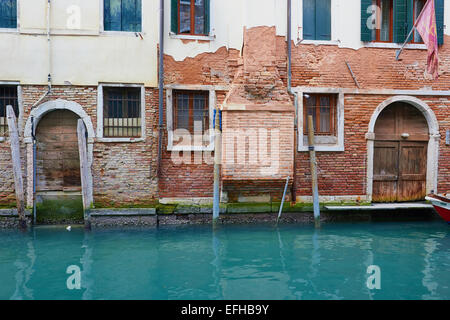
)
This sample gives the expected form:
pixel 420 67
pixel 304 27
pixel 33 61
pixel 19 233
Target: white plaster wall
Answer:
pixel 229 17
pixel 84 56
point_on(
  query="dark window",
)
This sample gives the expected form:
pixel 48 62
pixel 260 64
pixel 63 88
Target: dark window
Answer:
pixel 8 13
pixel 122 15
pixel 121 112
pixel 316 19
pixel 322 107
pixel 190 17
pixel 8 96
pixel 191 111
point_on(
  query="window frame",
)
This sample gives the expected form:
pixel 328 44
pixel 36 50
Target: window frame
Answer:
pixel 170 115
pixel 16 29
pixel 192 17
pixel 413 40
pixel 100 111
pixel 391 25
pixel 323 143
pixel 118 32
pixel 191 93
pixel 318 41
pixel 333 114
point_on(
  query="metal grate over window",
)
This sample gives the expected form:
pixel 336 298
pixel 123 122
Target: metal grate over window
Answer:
pixel 191 111
pixel 8 96
pixel 121 112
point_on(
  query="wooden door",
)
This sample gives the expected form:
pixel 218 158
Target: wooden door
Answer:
pixel 58 160
pixel 400 155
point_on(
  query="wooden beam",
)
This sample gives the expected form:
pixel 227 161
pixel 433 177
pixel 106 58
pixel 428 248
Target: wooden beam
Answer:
pixel 17 167
pixel 313 163
pixel 85 172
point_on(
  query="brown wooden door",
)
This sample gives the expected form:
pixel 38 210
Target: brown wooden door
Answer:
pixel 58 160
pixel 400 155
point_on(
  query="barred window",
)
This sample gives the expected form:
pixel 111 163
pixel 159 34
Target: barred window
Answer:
pixel 121 112
pixel 8 96
pixel 322 107
pixel 191 111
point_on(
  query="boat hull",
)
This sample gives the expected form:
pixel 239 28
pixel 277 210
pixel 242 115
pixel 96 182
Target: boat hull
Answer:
pixel 442 207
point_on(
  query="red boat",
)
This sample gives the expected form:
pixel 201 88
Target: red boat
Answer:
pixel 441 204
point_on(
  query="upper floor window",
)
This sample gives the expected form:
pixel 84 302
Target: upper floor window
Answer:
pixel 190 17
pixel 122 15
pixel 391 21
pixel 383 20
pixel 8 14
pixel 122 112
pixel 8 96
pixel 316 19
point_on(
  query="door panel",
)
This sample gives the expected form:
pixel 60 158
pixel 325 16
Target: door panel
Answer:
pixel 58 162
pixel 385 171
pixel 412 173
pixel 400 154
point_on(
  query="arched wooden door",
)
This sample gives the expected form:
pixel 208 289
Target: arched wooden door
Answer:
pixel 58 160
pixel 400 154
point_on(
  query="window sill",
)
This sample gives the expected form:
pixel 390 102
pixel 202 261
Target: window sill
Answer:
pixel 9 30
pixel 120 140
pixel 323 148
pixel 191 37
pixel 122 33
pixel 320 42
pixel 189 149
pixel 419 46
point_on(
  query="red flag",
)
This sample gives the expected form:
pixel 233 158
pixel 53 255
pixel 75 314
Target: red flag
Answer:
pixel 426 26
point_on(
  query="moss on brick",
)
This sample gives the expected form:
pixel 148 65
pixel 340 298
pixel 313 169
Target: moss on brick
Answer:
pixel 55 211
pixel 249 208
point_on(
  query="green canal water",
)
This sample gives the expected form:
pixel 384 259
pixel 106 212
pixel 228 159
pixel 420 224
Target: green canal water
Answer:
pixel 233 262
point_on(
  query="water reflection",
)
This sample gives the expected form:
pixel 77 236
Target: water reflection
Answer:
pixel 231 262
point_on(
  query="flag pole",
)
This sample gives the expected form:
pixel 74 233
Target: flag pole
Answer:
pixel 399 52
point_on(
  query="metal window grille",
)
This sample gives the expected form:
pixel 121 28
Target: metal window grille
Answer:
pixel 121 112
pixel 191 112
pixel 8 96
pixel 322 107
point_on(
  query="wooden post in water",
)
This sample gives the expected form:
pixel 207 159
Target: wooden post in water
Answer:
pixel 313 162
pixel 17 167
pixel 217 159
pixel 85 172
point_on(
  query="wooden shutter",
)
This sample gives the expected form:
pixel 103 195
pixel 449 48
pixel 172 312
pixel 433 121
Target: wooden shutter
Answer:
pixel 8 14
pixel 207 17
pixel 366 33
pixel 409 18
pixel 112 15
pixel 323 20
pixel 439 7
pixel 400 21
pixel 309 19
pixel 131 15
pixel 174 16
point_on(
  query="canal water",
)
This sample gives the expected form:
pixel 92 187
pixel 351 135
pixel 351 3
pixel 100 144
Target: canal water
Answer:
pixel 401 260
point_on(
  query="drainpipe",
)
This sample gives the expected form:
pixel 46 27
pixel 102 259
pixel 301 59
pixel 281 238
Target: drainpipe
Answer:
pixel 49 57
pixel 161 86
pixel 289 84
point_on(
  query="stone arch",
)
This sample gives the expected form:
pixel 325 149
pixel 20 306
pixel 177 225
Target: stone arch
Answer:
pixel 59 104
pixel 433 144
pixel 38 113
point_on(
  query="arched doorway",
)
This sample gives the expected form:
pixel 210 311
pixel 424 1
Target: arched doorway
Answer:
pixel 400 154
pixel 57 155
pixel 63 183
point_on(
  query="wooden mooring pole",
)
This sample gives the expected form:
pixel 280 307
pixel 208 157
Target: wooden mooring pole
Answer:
pixel 217 159
pixel 85 171
pixel 313 162
pixel 17 167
